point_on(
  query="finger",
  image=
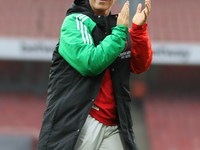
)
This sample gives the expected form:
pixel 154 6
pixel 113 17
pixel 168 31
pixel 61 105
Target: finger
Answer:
pixel 139 8
pixel 148 6
pixel 145 13
pixel 125 10
pixel 126 5
pixel 149 1
pixel 127 13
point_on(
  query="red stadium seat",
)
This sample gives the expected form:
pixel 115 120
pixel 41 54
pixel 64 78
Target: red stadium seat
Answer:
pixel 173 121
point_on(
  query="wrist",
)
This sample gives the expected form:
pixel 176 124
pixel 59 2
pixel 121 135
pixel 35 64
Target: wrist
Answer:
pixel 121 28
pixel 139 27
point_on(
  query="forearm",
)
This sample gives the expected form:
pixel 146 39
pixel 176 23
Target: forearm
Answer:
pixel 141 51
pixel 88 59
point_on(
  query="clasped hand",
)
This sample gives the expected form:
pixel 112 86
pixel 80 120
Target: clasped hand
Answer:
pixel 139 18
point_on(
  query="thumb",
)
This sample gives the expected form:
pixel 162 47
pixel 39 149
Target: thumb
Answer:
pixel 139 8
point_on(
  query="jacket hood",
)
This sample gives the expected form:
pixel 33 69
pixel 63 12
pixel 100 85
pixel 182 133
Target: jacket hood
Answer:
pixel 83 7
pixel 77 2
pixel 80 6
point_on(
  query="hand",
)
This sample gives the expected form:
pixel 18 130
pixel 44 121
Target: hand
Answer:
pixel 123 18
pixel 141 17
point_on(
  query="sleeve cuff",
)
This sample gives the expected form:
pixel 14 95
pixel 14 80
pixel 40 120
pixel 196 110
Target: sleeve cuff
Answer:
pixel 137 27
pixel 121 28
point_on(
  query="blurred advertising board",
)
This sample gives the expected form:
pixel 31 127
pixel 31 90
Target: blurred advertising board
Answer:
pixel 42 50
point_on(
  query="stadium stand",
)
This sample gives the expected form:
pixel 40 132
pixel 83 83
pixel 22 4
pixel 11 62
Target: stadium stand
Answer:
pixel 173 120
pixel 174 21
pixel 20 110
pixel 172 105
pixel 30 18
pixel 20 120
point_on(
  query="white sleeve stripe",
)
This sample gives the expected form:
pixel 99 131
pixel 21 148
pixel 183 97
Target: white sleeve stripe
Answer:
pixel 88 42
pixel 90 39
pixel 82 32
pixel 77 23
pixel 84 19
pixel 79 15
